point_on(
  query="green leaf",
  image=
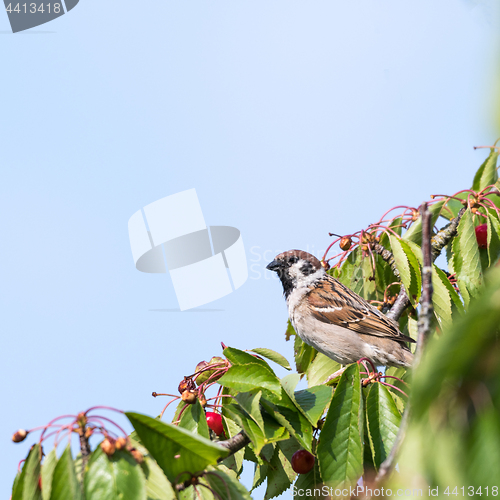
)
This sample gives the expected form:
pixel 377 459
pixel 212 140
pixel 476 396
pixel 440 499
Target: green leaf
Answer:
pixel 320 369
pixel 493 240
pixel 441 299
pixel 273 356
pixel 194 419
pixel 311 402
pixel 64 482
pixel 287 414
pixel 226 486
pixel 340 447
pixel 116 477
pixel 175 449
pixel 466 261
pixel 48 466
pixel 414 233
pixel 235 461
pixel 250 402
pixel 408 267
pixel 260 475
pixel 238 357
pixel 272 430
pixel 456 302
pixel 304 355
pixel 26 484
pixel 383 419
pixel 158 487
pixel 473 338
pixel 280 475
pixel 487 172
pixel 351 273
pixel 251 376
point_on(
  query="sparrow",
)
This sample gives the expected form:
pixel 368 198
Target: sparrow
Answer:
pixel 333 319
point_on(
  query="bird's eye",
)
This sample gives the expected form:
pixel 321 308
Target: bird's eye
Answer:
pixel 293 259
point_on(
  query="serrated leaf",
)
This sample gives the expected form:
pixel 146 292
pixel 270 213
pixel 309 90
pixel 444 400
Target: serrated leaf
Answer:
pixel 383 419
pixel 64 482
pixel 115 477
pixel 493 240
pixel 288 415
pixel 414 233
pixel 487 172
pixel 175 449
pixel 279 473
pixel 273 356
pixel 235 461
pixel 251 376
pixel 304 354
pixel 26 484
pixel 466 260
pixel 48 466
pixel 408 267
pixel 238 357
pixel 250 402
pixel 272 430
pixel 158 487
pixel 260 475
pixel 311 402
pixel 441 299
pixel 340 447
pixel 225 485
pixel 320 369
pixel 194 419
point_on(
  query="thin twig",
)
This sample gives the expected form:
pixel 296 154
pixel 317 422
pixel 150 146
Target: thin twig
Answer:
pixel 438 242
pixel 424 322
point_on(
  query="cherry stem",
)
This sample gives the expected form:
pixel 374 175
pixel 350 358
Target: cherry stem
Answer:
pixel 54 420
pixel 394 387
pixel 167 405
pixel 397 378
pixel 111 422
pixel 488 147
pixel 369 361
pixel 103 408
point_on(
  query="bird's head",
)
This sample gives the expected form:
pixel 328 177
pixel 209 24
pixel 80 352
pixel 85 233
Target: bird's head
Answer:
pixel 295 269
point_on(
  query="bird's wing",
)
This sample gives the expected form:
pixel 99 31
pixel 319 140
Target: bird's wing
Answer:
pixel 332 302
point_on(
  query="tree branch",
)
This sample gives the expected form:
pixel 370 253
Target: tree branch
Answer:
pixel 424 330
pixel 236 443
pixel 437 243
pixel 443 237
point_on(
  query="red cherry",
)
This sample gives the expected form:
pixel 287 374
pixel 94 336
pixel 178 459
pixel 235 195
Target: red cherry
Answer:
pixel 214 421
pixel 482 235
pixel 302 462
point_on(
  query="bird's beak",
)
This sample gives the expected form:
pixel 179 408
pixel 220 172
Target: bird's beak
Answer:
pixel 275 265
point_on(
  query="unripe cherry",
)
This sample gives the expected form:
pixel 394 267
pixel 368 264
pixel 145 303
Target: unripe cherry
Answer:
pixel 108 446
pixel 139 457
pixel 120 443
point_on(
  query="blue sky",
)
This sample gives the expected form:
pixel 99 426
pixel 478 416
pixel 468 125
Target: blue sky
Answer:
pixel 291 119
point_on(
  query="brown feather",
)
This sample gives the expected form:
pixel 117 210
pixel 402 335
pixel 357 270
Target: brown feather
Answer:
pixel 332 302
